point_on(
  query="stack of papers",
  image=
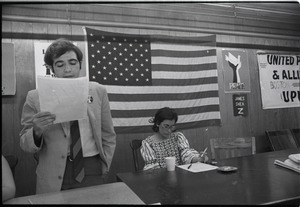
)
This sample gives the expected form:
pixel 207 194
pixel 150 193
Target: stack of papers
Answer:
pixel 292 163
pixel 198 167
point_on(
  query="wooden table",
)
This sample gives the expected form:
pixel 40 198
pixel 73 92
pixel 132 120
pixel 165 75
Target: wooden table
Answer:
pixel 257 181
pixel 113 193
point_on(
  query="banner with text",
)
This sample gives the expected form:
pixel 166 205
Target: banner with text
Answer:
pixel 279 80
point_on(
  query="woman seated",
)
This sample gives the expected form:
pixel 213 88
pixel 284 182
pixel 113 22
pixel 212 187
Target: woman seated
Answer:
pixel 165 142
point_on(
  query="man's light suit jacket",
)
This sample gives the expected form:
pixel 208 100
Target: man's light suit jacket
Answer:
pixel 53 150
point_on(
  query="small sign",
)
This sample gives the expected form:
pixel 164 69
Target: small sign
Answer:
pixel 240 104
pixel 236 71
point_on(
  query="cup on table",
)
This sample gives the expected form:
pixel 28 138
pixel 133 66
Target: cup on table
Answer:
pixel 170 163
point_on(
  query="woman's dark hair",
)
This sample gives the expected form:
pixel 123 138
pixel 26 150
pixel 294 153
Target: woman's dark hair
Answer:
pixel 60 47
pixel 162 114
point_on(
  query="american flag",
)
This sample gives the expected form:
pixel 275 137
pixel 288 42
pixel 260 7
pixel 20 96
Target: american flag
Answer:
pixel 145 73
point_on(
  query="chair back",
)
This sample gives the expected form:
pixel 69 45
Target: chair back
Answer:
pixel 296 134
pixel 223 148
pixel 281 139
pixel 137 157
pixel 12 161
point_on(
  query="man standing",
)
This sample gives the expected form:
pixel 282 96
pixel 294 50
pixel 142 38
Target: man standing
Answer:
pixel 60 167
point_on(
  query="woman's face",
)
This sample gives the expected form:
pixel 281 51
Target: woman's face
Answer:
pixel 166 128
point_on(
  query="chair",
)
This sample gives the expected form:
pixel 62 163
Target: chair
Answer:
pixel 12 161
pixel 281 139
pixel 296 133
pixel 223 148
pixel 137 157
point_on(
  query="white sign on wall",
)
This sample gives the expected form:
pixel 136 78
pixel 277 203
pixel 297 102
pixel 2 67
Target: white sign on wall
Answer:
pixel 279 80
pixel 39 52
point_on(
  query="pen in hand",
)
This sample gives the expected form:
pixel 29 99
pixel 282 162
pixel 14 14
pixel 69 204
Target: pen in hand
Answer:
pixel 203 153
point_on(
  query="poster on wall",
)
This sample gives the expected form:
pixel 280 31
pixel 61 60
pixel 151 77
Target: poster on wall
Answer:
pixel 279 80
pixel 240 104
pixel 236 71
pixel 8 83
pixel 40 67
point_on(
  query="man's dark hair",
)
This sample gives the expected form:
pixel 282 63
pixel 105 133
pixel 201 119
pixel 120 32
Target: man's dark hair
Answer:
pixel 60 47
pixel 162 114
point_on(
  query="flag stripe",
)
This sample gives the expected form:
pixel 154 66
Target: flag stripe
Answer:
pixel 186 68
pixel 183 75
pixel 144 121
pixel 155 104
pixel 184 54
pixel 181 61
pixel 183 48
pixel 160 89
pixel 184 82
pixel 179 111
pixel 161 97
pixel 207 40
pixel 179 126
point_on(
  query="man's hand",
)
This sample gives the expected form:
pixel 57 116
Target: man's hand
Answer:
pixel 41 121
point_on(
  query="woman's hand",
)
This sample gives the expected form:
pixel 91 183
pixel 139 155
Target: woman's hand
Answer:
pixel 203 159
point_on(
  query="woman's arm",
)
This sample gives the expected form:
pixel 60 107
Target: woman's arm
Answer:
pixel 188 155
pixel 148 155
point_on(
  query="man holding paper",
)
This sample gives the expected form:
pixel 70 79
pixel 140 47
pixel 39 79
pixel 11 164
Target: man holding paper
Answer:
pixel 72 132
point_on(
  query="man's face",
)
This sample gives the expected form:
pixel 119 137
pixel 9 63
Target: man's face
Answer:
pixel 66 66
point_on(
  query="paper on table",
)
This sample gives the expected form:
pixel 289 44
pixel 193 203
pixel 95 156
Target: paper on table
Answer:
pixel 289 164
pixel 198 167
pixel 64 97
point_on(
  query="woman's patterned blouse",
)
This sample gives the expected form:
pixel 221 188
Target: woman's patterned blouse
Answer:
pixel 177 145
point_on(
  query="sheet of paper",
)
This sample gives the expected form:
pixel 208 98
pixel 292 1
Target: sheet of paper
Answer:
pixel 288 164
pixel 64 97
pixel 198 167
